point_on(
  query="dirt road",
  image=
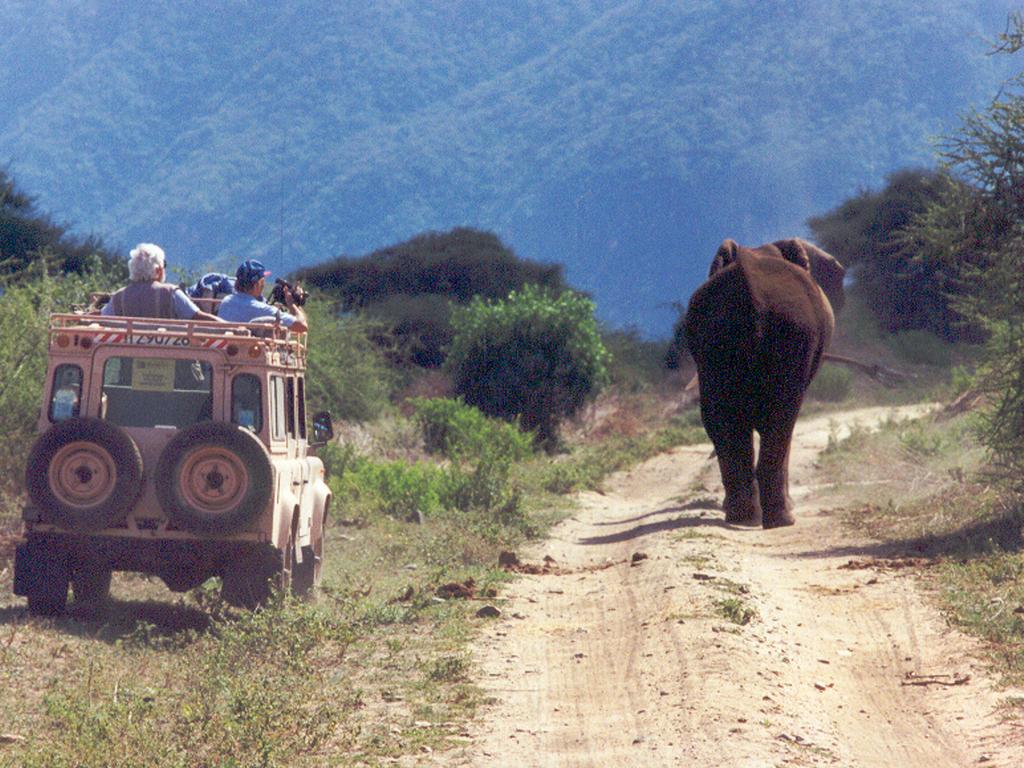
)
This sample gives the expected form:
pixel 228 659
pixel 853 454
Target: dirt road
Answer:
pixel 633 650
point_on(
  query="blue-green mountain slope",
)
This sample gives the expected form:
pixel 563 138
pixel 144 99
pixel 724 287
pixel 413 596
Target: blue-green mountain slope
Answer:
pixel 624 139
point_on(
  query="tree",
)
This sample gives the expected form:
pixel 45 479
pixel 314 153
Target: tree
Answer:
pixel 868 234
pixel 408 287
pixel 533 357
pixel 25 234
pixel 977 228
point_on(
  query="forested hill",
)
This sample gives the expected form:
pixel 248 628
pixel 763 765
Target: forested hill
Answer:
pixel 623 139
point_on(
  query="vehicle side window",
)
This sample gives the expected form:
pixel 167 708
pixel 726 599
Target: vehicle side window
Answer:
pixel 302 408
pixel 66 394
pixel 277 407
pixel 247 402
pixel 290 407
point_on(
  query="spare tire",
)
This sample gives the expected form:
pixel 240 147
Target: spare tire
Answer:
pixel 85 473
pixel 214 477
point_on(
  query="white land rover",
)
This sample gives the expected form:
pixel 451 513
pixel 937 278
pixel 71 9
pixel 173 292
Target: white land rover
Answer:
pixel 174 448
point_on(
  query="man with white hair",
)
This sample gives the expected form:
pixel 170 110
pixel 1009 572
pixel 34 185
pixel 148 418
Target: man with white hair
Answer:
pixel 147 295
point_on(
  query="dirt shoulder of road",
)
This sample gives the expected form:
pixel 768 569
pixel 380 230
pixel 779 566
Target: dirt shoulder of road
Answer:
pixel 660 635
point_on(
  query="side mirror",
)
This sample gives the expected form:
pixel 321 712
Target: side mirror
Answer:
pixel 323 429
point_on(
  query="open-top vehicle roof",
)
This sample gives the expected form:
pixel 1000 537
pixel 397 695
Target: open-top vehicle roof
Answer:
pixel 254 343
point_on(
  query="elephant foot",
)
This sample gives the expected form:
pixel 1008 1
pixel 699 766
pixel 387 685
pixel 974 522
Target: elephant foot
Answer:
pixel 743 514
pixel 778 519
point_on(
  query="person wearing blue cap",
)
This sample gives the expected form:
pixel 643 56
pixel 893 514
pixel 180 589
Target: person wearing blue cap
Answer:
pixel 247 304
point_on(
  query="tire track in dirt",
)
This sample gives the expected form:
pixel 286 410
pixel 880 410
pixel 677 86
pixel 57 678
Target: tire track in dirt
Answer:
pixel 610 662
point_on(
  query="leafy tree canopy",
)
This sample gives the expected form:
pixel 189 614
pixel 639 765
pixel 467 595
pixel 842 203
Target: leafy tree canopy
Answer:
pixel 868 233
pixel 459 264
pixel 976 228
pixel 408 286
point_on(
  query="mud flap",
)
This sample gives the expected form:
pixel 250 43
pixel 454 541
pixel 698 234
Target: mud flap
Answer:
pixel 36 568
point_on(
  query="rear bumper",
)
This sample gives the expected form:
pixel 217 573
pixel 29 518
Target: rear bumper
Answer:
pixel 181 563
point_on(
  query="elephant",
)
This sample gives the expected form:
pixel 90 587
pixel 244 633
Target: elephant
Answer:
pixel 758 329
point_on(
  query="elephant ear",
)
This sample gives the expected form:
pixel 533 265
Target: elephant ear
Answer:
pixel 794 252
pixel 725 256
pixel 828 272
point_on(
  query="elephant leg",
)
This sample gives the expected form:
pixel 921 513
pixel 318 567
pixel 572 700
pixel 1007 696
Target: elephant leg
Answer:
pixel 773 474
pixel 735 449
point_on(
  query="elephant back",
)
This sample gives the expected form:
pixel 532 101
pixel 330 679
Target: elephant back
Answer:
pixel 782 288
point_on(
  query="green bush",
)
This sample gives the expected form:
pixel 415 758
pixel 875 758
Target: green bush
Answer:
pixel 868 233
pixel 397 488
pixel 459 265
pixel 25 308
pixel 414 330
pixel 922 348
pixel 347 374
pixel 456 431
pixel 636 364
pixel 480 492
pixel 406 288
pixel 474 481
pixel 832 384
pixel 532 357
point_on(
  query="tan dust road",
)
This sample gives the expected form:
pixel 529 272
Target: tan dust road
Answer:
pixel 610 662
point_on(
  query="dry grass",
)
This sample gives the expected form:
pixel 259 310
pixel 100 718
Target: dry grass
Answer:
pixel 923 491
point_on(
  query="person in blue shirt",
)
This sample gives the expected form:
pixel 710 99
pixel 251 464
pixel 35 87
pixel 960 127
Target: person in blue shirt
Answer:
pixel 247 303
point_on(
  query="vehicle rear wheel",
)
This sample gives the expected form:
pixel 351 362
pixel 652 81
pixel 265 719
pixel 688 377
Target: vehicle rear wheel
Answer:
pixel 86 473
pixel 213 477
pixel 90 584
pixel 252 578
pixel 41 573
pixel 306 575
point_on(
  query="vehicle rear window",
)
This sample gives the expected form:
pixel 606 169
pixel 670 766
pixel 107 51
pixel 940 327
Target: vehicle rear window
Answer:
pixel 156 392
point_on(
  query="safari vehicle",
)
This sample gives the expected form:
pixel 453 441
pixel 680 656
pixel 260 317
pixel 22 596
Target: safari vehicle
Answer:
pixel 173 448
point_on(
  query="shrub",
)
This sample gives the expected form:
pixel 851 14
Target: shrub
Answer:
pixel 868 233
pixel 922 348
pixel 459 431
pixel 832 384
pixel 397 488
pixel 636 363
pixel 407 287
pixel 25 307
pixel 414 330
pixel 532 357
pixel 347 374
pixel 475 481
pixel 482 452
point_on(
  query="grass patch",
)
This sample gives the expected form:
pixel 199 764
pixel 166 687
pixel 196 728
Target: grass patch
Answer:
pixel 735 610
pixel 586 465
pixel 832 384
pixel 985 596
pixel 924 492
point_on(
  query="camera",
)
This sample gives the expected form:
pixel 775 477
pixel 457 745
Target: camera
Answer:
pixel 299 295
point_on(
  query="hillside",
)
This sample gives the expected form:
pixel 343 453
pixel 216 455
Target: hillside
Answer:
pixel 623 139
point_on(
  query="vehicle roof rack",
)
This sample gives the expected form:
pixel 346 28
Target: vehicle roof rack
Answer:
pixel 91 330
